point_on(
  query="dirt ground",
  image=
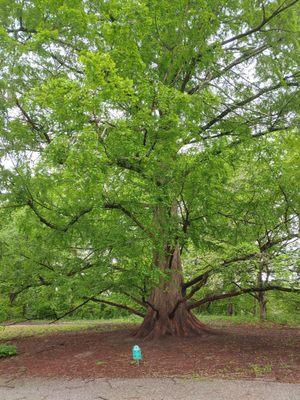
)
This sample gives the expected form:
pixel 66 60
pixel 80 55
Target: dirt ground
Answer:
pixel 232 352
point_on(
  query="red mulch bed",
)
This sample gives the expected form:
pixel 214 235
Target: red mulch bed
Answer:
pixel 232 352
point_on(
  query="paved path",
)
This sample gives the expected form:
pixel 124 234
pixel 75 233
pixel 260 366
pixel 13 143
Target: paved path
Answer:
pixel 145 389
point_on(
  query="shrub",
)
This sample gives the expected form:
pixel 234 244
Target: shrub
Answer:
pixel 7 350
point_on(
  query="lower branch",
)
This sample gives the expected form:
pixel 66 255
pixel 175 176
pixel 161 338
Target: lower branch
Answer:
pixel 238 293
pixel 111 303
pixel 70 311
pixel 79 306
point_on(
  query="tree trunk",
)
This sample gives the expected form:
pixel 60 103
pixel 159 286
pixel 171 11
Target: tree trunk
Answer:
pixel 167 311
pixel 262 306
pixel 230 309
pixel 254 307
pixel 261 297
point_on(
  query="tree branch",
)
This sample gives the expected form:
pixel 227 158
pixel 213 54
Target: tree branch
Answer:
pixel 238 293
pixel 197 287
pixel 71 311
pixel 241 59
pixel 56 227
pixel 199 278
pixel 76 308
pixel 40 217
pixel 32 123
pixel 66 65
pixel 136 300
pixel 49 267
pixel 76 218
pixel 246 56
pixel 264 21
pixel 129 214
pixel 242 103
pixel 122 306
pixel 13 295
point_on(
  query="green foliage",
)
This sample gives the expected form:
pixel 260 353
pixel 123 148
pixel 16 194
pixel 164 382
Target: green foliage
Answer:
pixel 130 126
pixel 7 350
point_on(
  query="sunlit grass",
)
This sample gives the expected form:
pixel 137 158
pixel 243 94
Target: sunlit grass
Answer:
pixel 223 320
pixel 43 327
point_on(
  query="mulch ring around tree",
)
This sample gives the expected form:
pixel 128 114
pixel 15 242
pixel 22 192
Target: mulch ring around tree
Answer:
pixel 233 352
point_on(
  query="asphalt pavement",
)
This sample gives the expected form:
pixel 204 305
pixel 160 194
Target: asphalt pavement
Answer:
pixel 145 389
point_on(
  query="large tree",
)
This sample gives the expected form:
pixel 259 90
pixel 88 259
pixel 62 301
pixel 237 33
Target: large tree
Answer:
pixel 135 131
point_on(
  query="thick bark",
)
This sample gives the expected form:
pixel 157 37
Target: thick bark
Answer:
pixel 167 312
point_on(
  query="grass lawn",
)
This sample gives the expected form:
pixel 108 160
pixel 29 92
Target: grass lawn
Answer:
pixel 8 332
pixel 44 327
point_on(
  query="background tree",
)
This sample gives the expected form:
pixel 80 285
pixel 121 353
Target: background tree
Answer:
pixel 134 131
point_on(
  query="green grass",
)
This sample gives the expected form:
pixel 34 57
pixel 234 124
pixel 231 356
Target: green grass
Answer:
pixel 99 362
pixel 223 320
pixel 43 327
pixel 218 320
pixel 260 370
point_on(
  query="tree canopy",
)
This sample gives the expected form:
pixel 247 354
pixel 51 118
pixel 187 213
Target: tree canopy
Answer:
pixel 149 145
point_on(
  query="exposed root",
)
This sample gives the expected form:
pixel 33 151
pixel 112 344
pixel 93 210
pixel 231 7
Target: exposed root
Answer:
pixel 183 324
